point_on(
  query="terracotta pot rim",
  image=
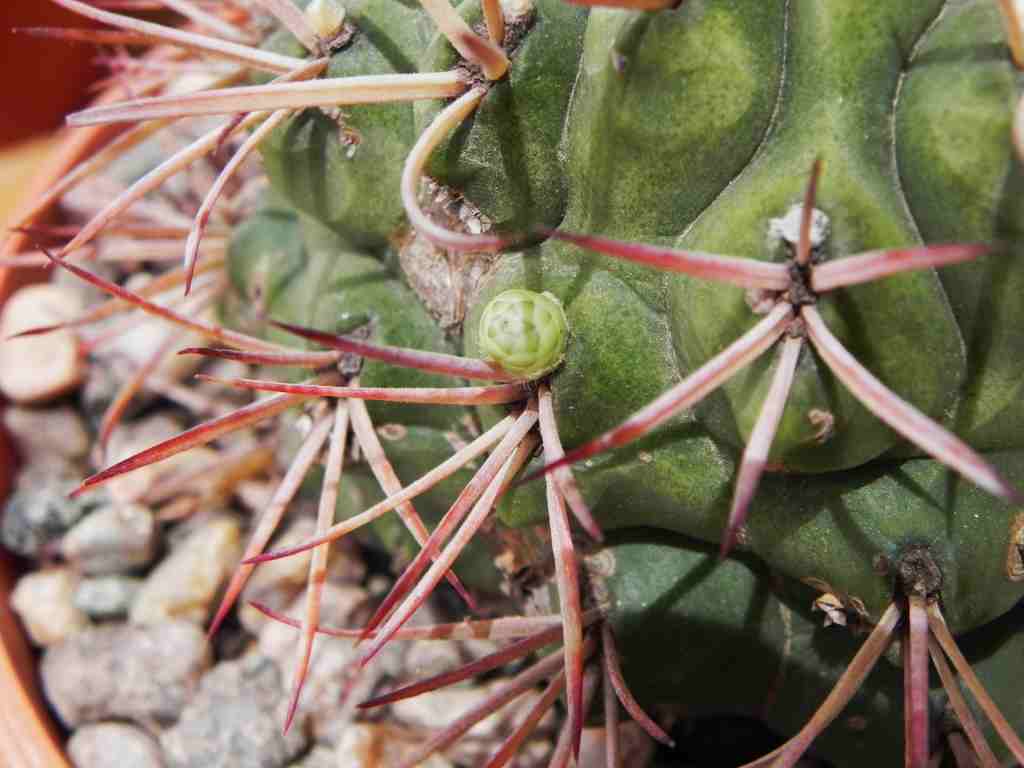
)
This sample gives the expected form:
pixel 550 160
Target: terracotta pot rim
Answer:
pixel 29 736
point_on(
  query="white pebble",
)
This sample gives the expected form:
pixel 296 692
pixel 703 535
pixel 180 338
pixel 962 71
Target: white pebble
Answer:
pixel 112 539
pixel 45 602
pixel 113 745
pixel 36 369
pixel 184 585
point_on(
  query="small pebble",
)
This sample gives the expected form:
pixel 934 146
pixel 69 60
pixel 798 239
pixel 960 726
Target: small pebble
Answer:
pixel 235 720
pixel 635 746
pixel 37 369
pixel 53 436
pixel 278 582
pixel 371 745
pixel 186 582
pixel 340 606
pixel 436 709
pixel 106 597
pixel 113 539
pixel 336 716
pixel 124 671
pixel 425 658
pixel 36 517
pixel 318 757
pixel 223 369
pixel 132 437
pixel 140 342
pixel 44 601
pixel 113 745
pixel 331 666
pixel 98 391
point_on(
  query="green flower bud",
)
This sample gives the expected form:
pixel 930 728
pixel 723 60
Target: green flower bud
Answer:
pixel 524 332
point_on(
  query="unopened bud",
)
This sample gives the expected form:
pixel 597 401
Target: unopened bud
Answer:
pixel 326 17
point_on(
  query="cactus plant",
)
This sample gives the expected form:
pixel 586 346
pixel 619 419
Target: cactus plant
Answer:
pixel 848 372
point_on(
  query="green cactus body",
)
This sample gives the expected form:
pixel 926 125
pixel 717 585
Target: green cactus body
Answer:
pixel 742 643
pixel 751 645
pixel 907 329
pixel 344 173
pixel 694 127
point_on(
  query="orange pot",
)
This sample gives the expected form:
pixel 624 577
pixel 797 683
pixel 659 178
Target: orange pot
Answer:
pixel 41 81
pixel 29 737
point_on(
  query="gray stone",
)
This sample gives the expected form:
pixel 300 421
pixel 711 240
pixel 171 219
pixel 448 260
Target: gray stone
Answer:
pixel 44 601
pixel 124 671
pixel 354 685
pixel 106 597
pixel 113 745
pixel 101 386
pixel 235 720
pixel 340 606
pixel 112 539
pixel 425 658
pixel 437 709
pixel 37 516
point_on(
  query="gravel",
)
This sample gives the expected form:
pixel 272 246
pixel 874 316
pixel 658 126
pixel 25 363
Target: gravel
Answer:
pixel 106 597
pixel 113 745
pixel 37 516
pixel 44 601
pixel 185 584
pixel 235 720
pixel 124 671
pixel 112 539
